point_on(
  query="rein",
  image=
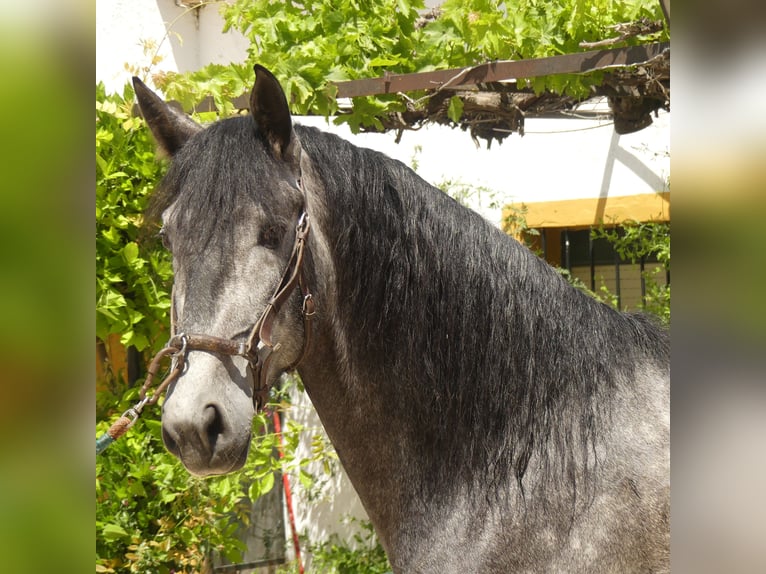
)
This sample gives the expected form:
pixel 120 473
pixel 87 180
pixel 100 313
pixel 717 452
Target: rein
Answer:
pixel 260 338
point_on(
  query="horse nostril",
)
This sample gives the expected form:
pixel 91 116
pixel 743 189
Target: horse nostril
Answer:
pixel 200 438
pixel 202 431
pixel 170 442
pixel 213 425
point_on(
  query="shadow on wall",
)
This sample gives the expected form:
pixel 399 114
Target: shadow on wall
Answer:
pixel 632 162
pixel 196 37
pixel 183 34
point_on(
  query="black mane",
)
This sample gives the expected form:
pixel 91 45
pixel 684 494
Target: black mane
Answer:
pixel 497 339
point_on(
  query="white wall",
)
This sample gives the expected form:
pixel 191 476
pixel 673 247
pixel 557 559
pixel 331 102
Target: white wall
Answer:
pixel 187 39
pixel 333 502
pixel 557 159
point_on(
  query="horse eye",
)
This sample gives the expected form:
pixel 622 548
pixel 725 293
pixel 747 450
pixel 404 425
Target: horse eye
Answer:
pixel 270 237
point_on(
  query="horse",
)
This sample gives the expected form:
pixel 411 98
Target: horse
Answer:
pixel 490 416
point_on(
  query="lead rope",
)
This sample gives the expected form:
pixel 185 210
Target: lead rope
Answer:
pixel 130 416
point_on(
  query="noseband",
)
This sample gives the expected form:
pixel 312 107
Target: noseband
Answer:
pixel 260 337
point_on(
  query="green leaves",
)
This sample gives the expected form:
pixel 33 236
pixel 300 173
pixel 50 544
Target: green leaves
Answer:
pixel 130 253
pixel 455 110
pixel 310 44
pixel 133 272
pixel 634 241
pixel 313 43
pixel 381 61
pixel 114 532
pixel 261 486
pixel 364 555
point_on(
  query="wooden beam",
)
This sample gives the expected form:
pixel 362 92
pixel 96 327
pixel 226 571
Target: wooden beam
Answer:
pixel 665 4
pixel 501 70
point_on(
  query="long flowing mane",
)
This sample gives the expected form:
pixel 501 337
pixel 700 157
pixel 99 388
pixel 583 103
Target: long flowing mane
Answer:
pixel 465 324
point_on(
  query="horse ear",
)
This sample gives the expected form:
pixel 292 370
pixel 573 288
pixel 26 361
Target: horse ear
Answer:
pixel 171 128
pixel 268 106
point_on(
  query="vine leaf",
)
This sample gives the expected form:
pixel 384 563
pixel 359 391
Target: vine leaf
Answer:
pixel 455 109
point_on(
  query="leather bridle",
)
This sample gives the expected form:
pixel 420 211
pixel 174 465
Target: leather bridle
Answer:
pixel 260 337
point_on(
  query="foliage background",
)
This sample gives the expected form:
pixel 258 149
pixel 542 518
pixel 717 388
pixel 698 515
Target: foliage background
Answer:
pixel 309 44
pixel 133 274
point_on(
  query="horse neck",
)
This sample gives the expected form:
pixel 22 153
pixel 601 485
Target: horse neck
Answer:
pixel 365 410
pixel 353 391
pixel 446 354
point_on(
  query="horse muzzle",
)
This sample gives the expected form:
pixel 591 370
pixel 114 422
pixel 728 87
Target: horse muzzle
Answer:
pixel 207 416
pixel 202 443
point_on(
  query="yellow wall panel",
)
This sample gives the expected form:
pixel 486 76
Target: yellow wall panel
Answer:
pixel 608 210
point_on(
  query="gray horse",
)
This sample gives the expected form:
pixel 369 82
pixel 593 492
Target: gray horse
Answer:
pixel 491 417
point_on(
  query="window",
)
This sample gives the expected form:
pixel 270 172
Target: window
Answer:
pixel 598 266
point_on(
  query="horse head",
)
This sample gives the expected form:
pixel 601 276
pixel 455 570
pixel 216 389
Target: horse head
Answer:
pixel 230 206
